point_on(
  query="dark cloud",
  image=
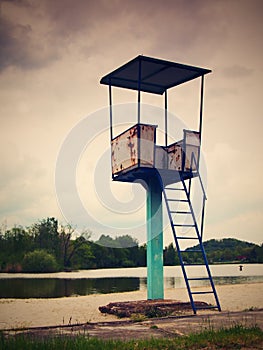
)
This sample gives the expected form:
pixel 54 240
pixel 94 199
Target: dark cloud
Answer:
pixel 14 39
pixel 48 28
pixel 19 2
pixel 20 49
pixel 192 30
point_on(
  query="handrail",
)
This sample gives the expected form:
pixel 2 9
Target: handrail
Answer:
pixel 201 182
pixel 204 195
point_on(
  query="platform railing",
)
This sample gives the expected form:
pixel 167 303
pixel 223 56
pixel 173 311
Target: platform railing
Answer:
pixel 193 161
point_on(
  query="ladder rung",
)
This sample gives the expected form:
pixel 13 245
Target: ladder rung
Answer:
pixel 191 251
pixel 183 237
pixel 184 225
pixel 180 212
pixel 211 292
pixel 177 200
pixel 174 189
pixel 189 264
pixel 198 278
pixel 206 307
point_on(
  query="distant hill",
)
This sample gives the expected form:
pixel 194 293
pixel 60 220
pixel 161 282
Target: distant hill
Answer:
pixel 229 250
pixel 225 243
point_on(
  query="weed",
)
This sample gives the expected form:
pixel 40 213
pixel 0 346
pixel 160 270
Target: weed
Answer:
pixel 138 317
pixel 154 312
pixel 252 308
pixel 154 326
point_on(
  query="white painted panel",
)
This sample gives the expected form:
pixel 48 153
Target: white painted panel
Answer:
pixel 188 157
pixel 192 138
pixel 192 145
pixel 161 158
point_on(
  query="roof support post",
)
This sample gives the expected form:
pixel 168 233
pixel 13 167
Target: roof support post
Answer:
pixel 110 102
pixel 201 107
pixel 165 119
pixel 139 91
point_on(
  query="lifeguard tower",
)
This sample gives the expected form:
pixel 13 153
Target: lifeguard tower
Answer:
pixel 166 171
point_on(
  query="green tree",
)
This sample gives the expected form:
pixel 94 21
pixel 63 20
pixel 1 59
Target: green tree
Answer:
pixel 77 250
pixel 39 261
pixel 70 247
pixel 256 254
pixel 122 251
pixel 46 235
pixel 14 243
pixel 141 258
pixel 104 256
pixel 83 257
pixel 170 256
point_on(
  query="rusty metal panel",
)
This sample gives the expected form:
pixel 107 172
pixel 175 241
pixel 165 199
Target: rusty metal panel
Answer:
pixel 175 156
pixel 124 150
pixel 126 147
pixel 147 144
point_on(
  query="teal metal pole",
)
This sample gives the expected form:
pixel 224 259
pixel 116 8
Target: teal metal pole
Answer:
pixel 155 289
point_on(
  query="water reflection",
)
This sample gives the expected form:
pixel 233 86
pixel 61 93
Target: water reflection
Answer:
pixel 172 282
pixel 86 282
pixel 23 288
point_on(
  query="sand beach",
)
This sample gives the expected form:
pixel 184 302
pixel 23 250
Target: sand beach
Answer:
pixel 22 313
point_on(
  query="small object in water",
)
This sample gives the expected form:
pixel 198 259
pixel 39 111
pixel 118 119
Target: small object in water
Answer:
pixel 240 267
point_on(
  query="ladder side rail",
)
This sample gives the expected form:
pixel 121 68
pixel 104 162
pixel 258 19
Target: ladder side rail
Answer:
pixel 189 186
pixel 210 275
pixel 202 219
pixel 202 248
pixel 179 254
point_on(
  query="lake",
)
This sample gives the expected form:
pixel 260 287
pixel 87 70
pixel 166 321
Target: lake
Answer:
pixel 84 282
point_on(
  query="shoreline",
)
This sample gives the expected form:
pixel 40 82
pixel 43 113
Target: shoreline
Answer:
pixel 22 313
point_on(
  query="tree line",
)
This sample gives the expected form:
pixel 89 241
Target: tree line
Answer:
pixel 226 250
pixel 47 246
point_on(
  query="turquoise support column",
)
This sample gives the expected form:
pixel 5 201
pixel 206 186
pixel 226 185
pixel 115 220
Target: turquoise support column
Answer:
pixel 155 288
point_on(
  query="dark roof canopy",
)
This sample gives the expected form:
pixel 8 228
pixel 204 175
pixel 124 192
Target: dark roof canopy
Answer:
pixel 152 75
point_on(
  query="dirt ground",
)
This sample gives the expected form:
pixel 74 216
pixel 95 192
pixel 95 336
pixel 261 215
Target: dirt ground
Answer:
pixel 155 327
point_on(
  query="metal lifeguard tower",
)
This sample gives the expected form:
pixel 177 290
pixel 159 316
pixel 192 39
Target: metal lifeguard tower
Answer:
pixel 166 171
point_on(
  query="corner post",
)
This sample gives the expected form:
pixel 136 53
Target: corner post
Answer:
pixel 165 119
pixel 201 108
pixel 139 91
pixel 110 102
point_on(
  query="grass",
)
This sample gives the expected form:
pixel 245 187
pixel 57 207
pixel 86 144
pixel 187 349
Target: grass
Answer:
pixel 138 317
pixel 236 337
pixel 252 308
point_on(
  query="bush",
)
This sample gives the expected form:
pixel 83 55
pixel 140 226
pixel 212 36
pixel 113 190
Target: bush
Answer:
pixel 39 261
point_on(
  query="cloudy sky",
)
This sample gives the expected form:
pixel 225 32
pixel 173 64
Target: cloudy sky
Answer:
pixel 52 56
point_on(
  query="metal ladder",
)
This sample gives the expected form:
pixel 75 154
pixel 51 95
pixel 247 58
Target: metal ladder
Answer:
pixel 196 235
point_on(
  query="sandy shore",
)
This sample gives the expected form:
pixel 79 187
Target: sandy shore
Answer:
pixel 46 312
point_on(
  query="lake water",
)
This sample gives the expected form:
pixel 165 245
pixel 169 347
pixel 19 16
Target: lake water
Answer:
pixel 66 284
